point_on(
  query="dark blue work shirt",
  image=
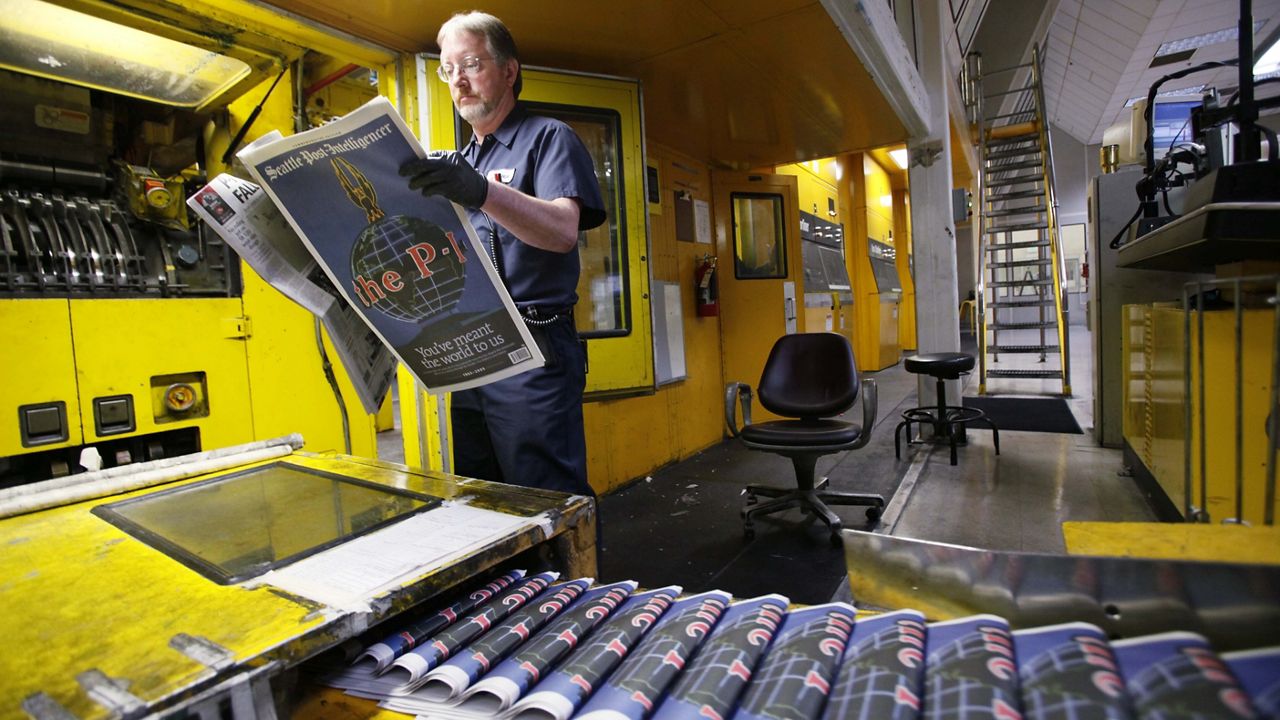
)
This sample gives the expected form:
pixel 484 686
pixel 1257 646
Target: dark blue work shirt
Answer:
pixel 544 158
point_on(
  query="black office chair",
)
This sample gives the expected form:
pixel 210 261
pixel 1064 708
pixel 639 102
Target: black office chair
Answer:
pixel 810 377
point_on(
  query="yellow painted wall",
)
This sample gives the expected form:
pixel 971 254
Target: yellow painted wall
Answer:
pixel 630 437
pixel 818 180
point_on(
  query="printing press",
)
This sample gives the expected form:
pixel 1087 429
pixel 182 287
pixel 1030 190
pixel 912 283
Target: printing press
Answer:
pixel 237 583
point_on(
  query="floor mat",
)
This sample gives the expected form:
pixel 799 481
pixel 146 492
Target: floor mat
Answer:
pixel 1031 414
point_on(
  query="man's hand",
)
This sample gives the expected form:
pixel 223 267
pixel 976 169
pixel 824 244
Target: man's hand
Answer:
pixel 447 174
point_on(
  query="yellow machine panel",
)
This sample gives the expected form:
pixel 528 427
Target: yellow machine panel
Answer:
pixel 171 341
pixel 39 377
pixel 1155 423
pixel 878 308
pixel 130 326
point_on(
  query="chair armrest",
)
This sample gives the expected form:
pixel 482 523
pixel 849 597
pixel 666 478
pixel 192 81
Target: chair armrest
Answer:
pixel 742 392
pixel 870 400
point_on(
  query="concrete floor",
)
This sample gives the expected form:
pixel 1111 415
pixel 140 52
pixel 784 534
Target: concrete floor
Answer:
pixel 680 525
pixel 1019 499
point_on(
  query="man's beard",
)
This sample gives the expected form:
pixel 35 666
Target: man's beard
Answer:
pixel 475 113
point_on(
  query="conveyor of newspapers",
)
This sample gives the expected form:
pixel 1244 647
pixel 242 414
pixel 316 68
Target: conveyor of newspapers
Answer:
pixel 533 647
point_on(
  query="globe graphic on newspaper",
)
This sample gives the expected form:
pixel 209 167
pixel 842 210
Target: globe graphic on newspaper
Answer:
pixel 405 246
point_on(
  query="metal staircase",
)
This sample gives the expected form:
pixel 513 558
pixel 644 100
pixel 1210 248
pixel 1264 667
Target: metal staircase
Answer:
pixel 1022 308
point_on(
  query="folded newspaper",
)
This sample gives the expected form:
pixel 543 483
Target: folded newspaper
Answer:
pixel 411 266
pixel 246 220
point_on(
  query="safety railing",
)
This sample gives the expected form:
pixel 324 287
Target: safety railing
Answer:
pixel 1239 286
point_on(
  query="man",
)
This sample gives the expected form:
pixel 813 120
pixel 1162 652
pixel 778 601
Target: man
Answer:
pixel 530 188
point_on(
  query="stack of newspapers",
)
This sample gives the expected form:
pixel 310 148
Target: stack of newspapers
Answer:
pixel 530 647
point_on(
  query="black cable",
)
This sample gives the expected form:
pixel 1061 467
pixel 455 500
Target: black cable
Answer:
pixel 327 367
pixel 248 123
pixel 1115 241
pixel 1149 141
pixel 1165 195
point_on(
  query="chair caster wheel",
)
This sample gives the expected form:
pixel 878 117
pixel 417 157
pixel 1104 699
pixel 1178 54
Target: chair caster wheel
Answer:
pixel 874 513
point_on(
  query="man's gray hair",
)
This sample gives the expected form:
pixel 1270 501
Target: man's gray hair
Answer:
pixel 496 37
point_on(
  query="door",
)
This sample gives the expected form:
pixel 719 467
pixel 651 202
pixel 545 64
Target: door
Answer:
pixel 759 269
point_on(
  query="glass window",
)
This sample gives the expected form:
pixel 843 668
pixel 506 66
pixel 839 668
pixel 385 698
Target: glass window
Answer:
pixel 759 237
pixel 238 526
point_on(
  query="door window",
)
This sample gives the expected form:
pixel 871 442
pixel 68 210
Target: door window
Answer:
pixel 759 237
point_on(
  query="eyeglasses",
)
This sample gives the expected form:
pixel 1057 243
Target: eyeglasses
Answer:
pixel 469 67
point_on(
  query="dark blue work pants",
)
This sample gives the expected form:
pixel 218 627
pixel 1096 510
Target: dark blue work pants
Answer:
pixel 527 429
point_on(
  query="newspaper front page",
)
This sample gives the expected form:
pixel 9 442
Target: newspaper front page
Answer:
pixel 246 219
pixel 412 266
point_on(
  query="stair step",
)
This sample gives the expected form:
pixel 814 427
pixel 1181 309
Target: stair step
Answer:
pixel 1015 166
pixel 1011 227
pixel 1013 133
pixel 1001 155
pixel 996 247
pixel 1036 209
pixel 1022 325
pixel 1005 145
pixel 1021 302
pixel 1020 263
pixel 1018 283
pixel 1020 350
pixel 1024 373
pixel 1014 195
pixel 1016 180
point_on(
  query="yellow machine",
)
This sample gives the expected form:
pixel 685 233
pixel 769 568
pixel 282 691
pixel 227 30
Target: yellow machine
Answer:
pixel 129 326
pixel 160 600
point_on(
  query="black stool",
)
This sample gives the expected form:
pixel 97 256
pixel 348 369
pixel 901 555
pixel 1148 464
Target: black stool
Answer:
pixel 948 421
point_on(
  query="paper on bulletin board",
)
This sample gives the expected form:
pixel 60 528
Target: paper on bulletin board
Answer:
pixel 702 220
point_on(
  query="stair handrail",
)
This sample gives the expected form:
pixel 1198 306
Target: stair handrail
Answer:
pixel 973 72
pixel 1058 272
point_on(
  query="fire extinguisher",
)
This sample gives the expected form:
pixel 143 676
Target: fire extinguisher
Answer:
pixel 708 293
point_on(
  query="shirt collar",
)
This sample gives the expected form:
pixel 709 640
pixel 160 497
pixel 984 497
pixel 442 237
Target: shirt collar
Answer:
pixel 506 132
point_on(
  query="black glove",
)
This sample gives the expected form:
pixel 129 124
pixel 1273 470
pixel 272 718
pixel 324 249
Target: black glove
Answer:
pixel 447 174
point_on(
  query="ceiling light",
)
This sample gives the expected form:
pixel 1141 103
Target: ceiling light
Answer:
pixel 899 156
pixel 1199 41
pixel 61 44
pixel 1192 92
pixel 1270 60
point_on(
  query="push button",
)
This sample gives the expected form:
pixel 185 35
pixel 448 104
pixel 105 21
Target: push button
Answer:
pixel 43 423
pixel 113 415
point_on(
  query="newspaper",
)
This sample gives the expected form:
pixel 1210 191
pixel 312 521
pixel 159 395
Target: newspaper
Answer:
pixel 412 266
pixel 246 220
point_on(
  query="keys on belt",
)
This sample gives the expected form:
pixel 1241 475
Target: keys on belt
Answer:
pixel 541 315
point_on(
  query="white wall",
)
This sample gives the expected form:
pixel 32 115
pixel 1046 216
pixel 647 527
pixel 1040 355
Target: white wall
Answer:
pixel 1071 163
pixel 1070 158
